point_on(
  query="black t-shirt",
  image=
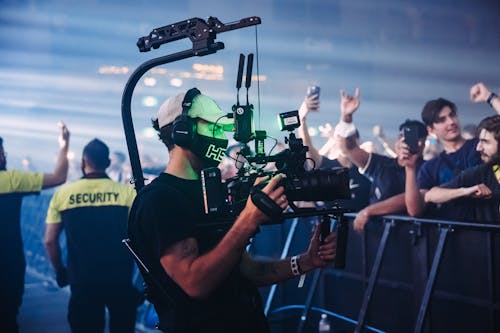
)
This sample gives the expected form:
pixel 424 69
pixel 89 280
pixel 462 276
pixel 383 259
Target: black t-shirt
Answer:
pixel 93 212
pixel 358 184
pixel 480 210
pixel 169 210
pixel 387 176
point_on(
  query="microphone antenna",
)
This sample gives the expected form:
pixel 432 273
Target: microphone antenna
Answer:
pixel 239 77
pixel 248 80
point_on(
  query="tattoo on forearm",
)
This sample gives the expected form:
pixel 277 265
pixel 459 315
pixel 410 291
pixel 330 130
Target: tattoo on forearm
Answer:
pixel 268 269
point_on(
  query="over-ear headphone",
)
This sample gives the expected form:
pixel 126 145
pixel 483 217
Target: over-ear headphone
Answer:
pixel 184 127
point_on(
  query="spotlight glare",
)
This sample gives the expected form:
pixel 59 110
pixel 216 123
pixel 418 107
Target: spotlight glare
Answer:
pixel 176 82
pixel 148 133
pixel 149 101
pixel 149 81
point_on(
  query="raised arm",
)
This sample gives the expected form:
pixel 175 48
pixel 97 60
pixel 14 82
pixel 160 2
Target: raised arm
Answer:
pixel 346 131
pixel 328 149
pixel 479 93
pixel 58 176
pixel 379 134
pixel 414 196
pixel 310 103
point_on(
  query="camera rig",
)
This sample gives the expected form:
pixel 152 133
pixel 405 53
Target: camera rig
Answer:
pixel 203 36
pixel 227 199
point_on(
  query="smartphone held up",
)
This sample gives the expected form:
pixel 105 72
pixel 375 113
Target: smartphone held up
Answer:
pixel 410 134
pixel 313 90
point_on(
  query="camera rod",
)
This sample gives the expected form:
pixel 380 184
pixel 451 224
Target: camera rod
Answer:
pixel 202 35
pixel 200 32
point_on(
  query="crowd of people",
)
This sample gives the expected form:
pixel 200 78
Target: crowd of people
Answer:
pixel 406 181
pixel 204 278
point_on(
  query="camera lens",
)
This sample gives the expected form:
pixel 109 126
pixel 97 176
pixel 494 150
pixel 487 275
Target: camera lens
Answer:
pixel 318 185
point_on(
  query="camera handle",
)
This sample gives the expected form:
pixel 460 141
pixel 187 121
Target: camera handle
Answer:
pixel 341 228
pixel 202 34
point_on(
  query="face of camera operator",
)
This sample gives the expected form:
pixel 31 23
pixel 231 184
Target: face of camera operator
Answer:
pixel 203 272
pixel 196 139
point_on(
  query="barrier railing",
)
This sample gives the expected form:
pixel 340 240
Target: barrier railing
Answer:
pixel 411 275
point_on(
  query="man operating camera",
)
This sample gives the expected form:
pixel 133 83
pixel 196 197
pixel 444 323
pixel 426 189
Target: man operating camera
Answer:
pixel 204 280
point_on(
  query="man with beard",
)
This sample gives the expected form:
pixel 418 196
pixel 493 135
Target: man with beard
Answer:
pixel 480 184
pixel 14 185
pixel 201 279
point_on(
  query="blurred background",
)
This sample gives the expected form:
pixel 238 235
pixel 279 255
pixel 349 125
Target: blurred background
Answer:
pixel 70 60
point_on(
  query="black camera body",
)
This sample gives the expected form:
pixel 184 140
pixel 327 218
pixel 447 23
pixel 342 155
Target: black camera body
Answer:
pixel 227 199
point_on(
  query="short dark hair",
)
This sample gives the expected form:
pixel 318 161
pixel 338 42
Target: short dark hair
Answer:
pixel 96 153
pixel 430 112
pixel 421 129
pixel 1 141
pixel 164 133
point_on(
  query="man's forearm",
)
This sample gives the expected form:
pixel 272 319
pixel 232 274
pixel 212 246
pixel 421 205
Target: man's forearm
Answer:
pixel 53 250
pixel 351 149
pixel 392 205
pixel 60 173
pixel 441 195
pixel 414 198
pixel 266 272
pixel 495 104
pixel 306 138
pixel 61 168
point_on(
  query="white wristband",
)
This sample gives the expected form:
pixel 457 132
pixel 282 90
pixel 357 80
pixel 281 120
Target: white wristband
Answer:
pixel 294 265
pixel 344 129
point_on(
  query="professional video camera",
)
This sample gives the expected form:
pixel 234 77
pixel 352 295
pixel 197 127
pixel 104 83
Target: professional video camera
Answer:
pixel 228 198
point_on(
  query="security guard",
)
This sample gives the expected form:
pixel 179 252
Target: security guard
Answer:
pixel 93 211
pixel 14 185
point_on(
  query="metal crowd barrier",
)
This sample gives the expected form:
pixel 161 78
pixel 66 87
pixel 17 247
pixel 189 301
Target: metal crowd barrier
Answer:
pixel 406 275
pixel 34 211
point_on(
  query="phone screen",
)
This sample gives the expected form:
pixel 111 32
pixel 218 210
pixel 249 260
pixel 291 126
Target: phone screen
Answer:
pixel 410 134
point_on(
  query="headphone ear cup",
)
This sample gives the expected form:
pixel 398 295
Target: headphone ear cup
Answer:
pixel 183 131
